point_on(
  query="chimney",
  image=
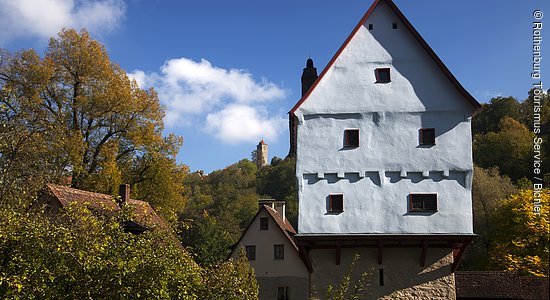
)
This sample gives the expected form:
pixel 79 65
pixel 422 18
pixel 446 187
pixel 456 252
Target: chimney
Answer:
pixel 309 75
pixel 124 193
pixel 278 206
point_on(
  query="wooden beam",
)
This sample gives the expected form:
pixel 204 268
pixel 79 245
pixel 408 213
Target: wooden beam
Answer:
pixel 457 255
pixel 338 254
pixel 424 253
pixel 380 250
pixel 304 255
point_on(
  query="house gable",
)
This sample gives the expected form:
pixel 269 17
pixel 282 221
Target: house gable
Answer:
pixel 278 233
pixel 419 80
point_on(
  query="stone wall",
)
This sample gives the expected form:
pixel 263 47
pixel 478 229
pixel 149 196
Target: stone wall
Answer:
pixel 268 287
pixel 403 276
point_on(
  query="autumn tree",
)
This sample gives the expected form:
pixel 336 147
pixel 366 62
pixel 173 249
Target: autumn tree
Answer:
pixel 489 189
pixel 79 113
pixel 521 243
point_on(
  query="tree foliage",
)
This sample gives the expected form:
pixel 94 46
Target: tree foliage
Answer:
pixel 509 149
pixel 521 243
pixel 79 255
pixel 345 289
pixel 220 205
pixel 232 280
pixel 278 181
pixel 503 135
pixel 75 114
pixel 494 111
pixel 489 189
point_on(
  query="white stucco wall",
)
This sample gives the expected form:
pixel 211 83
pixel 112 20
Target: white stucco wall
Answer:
pixel 377 177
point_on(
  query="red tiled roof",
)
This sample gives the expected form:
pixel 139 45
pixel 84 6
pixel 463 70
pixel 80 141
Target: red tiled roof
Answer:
pixel 286 227
pixel 502 285
pixel 145 214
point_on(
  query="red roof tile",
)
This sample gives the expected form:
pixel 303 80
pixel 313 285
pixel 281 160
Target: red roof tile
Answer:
pixel 145 214
pixel 285 226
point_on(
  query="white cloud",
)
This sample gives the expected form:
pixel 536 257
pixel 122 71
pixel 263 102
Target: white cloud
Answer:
pixel 229 104
pixel 242 123
pixel 194 87
pixel 45 18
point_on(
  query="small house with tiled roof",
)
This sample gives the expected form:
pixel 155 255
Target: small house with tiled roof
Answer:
pixel 272 252
pixel 55 197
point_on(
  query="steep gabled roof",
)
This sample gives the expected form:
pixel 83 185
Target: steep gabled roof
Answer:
pixel 105 204
pixel 416 35
pixel 285 227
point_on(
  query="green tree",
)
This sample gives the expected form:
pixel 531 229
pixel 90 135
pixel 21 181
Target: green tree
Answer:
pixel 278 181
pixel 489 118
pixel 509 149
pixel 232 280
pixel 87 121
pixel 220 205
pixel 81 255
pixel 345 290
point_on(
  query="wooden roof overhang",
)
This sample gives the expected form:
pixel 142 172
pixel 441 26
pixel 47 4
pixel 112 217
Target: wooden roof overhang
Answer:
pixel 455 242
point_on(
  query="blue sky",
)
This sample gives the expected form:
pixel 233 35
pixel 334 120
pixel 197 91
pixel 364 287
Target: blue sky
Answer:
pixel 229 71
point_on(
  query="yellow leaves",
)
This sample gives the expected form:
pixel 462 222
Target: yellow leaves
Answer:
pixel 522 242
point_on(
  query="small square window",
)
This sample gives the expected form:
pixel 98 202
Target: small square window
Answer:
pixel 264 223
pixel 382 75
pixel 278 251
pixel 250 252
pixel 394 25
pixel 336 203
pixel 351 138
pixel 423 202
pixel 427 136
pixel 283 293
pixel 370 26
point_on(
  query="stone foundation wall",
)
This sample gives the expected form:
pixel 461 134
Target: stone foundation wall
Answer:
pixel 403 276
pixel 268 287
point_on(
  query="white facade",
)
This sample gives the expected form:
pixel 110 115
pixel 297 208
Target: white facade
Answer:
pixel 377 177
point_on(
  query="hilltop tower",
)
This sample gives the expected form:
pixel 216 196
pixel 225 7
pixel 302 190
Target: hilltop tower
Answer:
pixel 261 154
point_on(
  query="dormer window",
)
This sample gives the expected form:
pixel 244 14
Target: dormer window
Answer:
pixel 351 138
pixel 427 136
pixel 382 75
pixel 336 203
pixel 264 223
pixel 422 202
